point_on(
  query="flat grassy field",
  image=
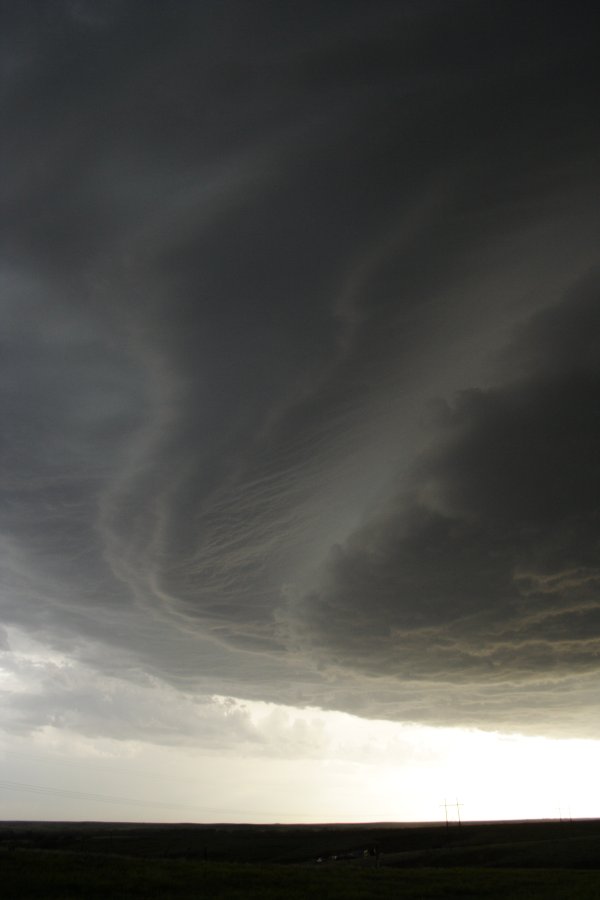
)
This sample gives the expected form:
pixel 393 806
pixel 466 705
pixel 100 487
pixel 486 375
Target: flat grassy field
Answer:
pixel 505 860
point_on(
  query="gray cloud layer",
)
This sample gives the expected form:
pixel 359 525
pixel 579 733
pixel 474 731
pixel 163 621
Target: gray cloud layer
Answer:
pixel 244 249
pixel 485 567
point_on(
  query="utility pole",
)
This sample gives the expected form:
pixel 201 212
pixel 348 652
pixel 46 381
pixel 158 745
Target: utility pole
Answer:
pixel 445 805
pixel 458 806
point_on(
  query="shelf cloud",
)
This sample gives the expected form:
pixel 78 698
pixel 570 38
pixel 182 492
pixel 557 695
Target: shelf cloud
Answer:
pixel 300 360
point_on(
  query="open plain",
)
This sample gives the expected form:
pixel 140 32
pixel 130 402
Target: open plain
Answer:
pixel 487 860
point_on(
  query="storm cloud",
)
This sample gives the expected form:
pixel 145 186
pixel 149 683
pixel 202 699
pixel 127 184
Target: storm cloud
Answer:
pixel 483 569
pixel 300 374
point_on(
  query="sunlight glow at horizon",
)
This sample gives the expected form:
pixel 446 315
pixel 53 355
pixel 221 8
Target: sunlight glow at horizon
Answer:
pixel 307 765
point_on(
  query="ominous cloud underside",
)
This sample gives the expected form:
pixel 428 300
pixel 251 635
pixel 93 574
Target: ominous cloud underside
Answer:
pixel 300 354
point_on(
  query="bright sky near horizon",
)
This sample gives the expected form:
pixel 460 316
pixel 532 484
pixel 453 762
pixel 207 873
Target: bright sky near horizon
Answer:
pixel 251 761
pixel 299 392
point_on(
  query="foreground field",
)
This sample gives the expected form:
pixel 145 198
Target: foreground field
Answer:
pixel 516 860
pixel 65 876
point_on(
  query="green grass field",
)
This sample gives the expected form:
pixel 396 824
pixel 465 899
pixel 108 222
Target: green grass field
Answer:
pixel 507 860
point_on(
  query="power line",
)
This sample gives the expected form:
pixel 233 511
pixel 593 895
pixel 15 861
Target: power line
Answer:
pixel 67 794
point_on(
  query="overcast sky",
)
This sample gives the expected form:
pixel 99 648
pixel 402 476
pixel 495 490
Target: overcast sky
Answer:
pixel 299 379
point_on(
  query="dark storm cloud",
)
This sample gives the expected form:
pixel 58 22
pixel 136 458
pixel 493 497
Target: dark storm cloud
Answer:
pixel 485 569
pixel 243 247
